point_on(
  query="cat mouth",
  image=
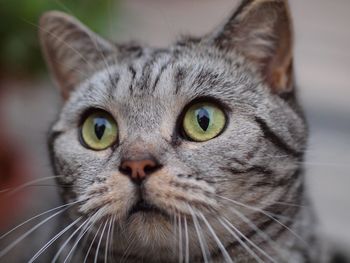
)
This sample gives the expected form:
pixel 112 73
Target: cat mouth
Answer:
pixel 147 208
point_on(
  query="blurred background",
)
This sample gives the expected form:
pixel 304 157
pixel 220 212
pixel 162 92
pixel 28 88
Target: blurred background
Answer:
pixel 29 101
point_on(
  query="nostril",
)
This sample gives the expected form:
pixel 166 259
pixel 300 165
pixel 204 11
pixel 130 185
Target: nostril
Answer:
pixel 138 170
pixel 124 169
pixel 151 168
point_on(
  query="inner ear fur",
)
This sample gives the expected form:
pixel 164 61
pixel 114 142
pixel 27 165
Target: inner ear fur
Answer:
pixel 71 50
pixel 261 31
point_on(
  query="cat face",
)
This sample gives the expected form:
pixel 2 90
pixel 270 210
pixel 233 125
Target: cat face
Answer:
pixel 186 144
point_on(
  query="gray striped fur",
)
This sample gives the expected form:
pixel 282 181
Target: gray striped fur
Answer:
pixel 246 66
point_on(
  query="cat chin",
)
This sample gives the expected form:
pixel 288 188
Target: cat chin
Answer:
pixel 152 224
pixel 152 236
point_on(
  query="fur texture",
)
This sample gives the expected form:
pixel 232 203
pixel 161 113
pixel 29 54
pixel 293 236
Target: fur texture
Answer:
pixel 239 197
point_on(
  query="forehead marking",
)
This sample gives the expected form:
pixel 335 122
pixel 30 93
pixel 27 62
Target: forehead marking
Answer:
pixel 179 79
pixel 161 71
pixel 132 71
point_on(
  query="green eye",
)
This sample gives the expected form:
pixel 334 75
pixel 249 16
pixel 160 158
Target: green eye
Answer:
pixel 99 131
pixel 203 121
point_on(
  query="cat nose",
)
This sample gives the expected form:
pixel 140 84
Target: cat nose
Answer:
pixel 138 170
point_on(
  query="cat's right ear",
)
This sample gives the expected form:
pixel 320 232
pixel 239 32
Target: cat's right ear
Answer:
pixel 71 50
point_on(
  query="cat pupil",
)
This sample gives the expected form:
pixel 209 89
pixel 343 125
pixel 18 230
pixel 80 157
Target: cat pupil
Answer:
pixel 203 119
pixel 100 126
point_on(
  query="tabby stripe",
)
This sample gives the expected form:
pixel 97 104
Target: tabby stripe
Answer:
pixel 265 225
pixel 255 168
pixel 147 71
pixel 51 141
pixel 249 236
pixel 268 176
pixel 179 79
pixel 146 75
pixel 275 139
pixel 283 180
pixel 162 69
pixel 133 75
pixel 114 81
pixel 297 194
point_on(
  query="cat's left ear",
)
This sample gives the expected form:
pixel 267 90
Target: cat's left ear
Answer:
pixel 72 51
pixel 261 31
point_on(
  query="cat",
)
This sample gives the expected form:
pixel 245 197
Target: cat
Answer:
pixel 191 153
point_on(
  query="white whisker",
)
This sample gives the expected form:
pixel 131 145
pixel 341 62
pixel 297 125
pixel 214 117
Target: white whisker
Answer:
pixel 249 241
pixel 84 230
pixel 34 217
pixel 52 240
pixel 261 233
pixel 187 242
pixel 201 240
pixel 99 242
pixel 268 215
pixel 55 258
pixel 244 245
pixel 11 191
pixel 112 239
pixel 13 244
pixel 107 240
pixel 61 41
pixel 180 239
pixel 130 242
pixel 175 233
pixel 217 240
pixel 92 243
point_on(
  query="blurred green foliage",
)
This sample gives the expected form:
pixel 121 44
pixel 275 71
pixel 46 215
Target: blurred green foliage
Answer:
pixel 19 46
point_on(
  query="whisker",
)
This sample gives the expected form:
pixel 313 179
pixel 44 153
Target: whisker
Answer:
pixel 187 242
pixel 200 238
pixel 244 245
pixel 13 190
pixel 261 233
pixel 310 163
pixel 285 204
pixel 52 240
pixel 217 240
pixel 57 255
pixel 24 185
pixel 107 240
pixel 175 233
pixel 92 243
pixel 249 241
pixel 269 216
pixel 97 47
pixel 13 244
pixel 99 242
pixel 34 217
pixel 127 251
pixel 61 41
pixel 112 238
pixel 180 239
pixel 343 165
pixel 84 230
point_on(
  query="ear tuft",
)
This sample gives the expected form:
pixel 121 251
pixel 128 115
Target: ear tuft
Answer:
pixel 71 50
pixel 261 30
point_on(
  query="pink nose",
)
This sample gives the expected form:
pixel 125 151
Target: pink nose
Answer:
pixel 138 170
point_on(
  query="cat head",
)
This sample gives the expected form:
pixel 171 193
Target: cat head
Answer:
pixel 201 136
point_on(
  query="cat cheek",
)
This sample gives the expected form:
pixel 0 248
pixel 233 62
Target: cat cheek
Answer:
pixel 123 191
pixel 171 193
pixel 113 197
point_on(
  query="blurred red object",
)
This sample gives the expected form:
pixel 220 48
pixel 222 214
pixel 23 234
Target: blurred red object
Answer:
pixel 13 173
